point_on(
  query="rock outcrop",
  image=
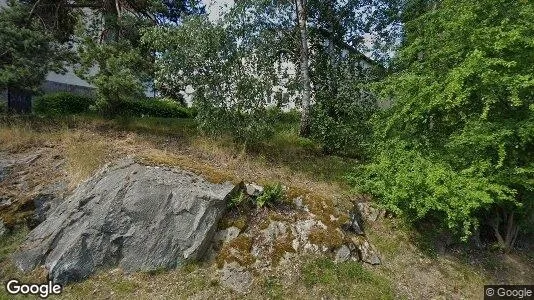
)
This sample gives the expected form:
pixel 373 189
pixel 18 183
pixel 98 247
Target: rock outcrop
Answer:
pixel 136 217
pixel 31 185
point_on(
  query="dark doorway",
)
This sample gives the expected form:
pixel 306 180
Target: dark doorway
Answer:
pixel 19 101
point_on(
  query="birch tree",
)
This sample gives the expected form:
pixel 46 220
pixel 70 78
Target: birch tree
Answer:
pixel 304 65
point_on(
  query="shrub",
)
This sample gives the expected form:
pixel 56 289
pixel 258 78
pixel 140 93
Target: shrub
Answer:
pixel 271 195
pixel 154 108
pixel 247 127
pixel 456 146
pixel 287 117
pixel 62 103
pixel 421 186
pixel 3 107
pixel 341 119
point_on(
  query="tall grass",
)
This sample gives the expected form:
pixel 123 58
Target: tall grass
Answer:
pixel 85 154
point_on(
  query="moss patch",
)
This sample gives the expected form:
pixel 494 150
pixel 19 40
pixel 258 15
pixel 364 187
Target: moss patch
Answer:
pixel 329 237
pixel 239 221
pixel 322 207
pixel 282 245
pixel 162 158
pixel 237 250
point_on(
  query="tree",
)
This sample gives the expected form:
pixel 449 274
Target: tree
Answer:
pixel 61 15
pixel 27 51
pixel 122 73
pixel 112 58
pixel 232 82
pixel 340 33
pixel 112 55
pixel 304 64
pixel 457 144
pixel 296 32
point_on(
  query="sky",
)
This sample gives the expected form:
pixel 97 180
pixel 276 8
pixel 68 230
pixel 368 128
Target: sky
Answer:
pixel 215 8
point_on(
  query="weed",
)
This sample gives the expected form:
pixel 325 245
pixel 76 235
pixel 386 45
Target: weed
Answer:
pixel 271 195
pixel 237 199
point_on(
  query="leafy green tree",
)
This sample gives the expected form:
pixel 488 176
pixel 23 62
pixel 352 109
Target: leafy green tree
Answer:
pixel 457 144
pixel 341 32
pixel 112 56
pixel 120 76
pixel 232 82
pixel 342 110
pixel 61 15
pixel 27 50
pixel 113 59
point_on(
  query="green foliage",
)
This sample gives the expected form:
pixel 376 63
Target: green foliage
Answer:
pixel 62 103
pixel 231 85
pixel 341 118
pixel 113 59
pixel 420 186
pixel 27 50
pixel 459 139
pixel 120 76
pixel 238 199
pixel 153 108
pixel 3 107
pixel 272 194
pixel 291 117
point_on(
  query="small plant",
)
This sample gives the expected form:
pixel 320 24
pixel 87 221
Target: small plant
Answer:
pixel 271 195
pixel 237 200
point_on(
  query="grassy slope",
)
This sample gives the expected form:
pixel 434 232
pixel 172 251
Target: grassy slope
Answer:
pixel 409 271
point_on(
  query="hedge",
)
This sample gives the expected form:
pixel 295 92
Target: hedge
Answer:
pixel 62 103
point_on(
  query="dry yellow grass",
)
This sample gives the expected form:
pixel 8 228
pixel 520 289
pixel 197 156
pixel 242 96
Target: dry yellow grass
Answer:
pixel 85 154
pixel 19 138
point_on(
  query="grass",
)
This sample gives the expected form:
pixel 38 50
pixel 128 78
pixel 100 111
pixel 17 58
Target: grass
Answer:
pixel 345 280
pixel 159 126
pixel 273 288
pixel 18 138
pixel 85 154
pixel 302 155
pixel 9 242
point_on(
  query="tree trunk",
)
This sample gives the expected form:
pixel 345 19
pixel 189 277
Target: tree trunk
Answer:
pixel 507 241
pixel 304 63
pixel 331 51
